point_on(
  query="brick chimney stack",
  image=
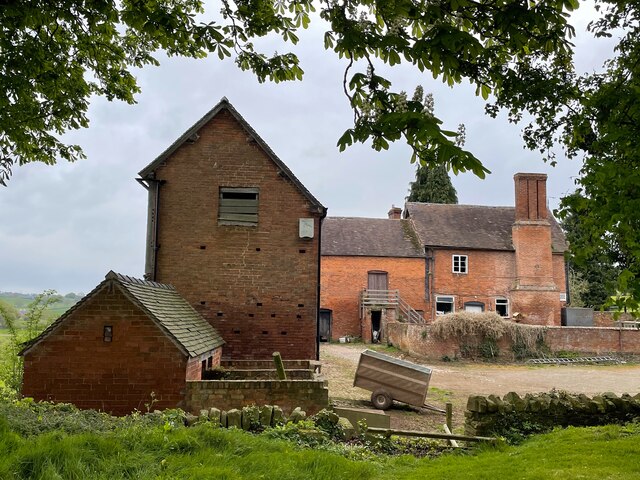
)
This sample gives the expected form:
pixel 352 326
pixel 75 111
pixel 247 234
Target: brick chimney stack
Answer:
pixel 534 290
pixel 531 196
pixel 395 213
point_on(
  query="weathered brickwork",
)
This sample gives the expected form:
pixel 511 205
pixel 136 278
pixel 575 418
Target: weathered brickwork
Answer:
pixel 256 284
pixel 344 278
pixel 74 364
pixel 588 340
pixel 310 395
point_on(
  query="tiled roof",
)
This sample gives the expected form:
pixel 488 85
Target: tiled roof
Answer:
pixel 224 104
pixel 373 237
pixel 162 303
pixel 471 226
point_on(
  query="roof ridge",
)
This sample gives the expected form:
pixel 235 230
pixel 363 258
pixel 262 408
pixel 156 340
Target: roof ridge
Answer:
pixel 460 205
pixel 137 281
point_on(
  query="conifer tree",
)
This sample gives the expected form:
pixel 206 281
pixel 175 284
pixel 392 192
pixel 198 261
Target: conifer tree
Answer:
pixel 433 184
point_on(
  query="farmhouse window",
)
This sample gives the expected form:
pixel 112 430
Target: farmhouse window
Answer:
pixel 238 206
pixel 444 305
pixel 459 263
pixel 477 307
pixel 502 307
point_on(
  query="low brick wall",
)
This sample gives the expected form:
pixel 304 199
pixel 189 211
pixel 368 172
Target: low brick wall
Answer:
pixel 493 415
pixel 598 340
pixel 606 319
pixel 310 395
pixel 417 339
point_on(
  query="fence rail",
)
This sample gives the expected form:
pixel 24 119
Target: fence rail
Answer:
pixel 389 299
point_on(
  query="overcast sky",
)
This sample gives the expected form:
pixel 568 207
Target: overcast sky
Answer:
pixel 64 227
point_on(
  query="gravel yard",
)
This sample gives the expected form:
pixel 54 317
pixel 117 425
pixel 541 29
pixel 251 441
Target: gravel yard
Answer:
pixel 455 381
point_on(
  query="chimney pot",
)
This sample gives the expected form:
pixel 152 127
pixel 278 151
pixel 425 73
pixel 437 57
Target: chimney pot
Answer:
pixel 395 213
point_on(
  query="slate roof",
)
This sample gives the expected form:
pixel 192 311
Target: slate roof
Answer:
pixel 224 104
pixel 471 226
pixel 372 237
pixel 162 303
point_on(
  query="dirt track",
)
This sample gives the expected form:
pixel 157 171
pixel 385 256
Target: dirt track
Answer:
pixel 454 382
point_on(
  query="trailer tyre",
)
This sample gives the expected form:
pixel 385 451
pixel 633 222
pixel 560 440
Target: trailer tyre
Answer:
pixel 381 399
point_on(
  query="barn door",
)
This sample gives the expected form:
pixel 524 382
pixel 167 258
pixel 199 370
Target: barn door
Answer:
pixel 378 281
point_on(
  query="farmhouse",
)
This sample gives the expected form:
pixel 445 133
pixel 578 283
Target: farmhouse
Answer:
pixel 238 235
pixel 124 340
pixel 433 259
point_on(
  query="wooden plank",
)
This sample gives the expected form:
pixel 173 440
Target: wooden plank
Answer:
pixel 243 209
pixel 440 436
pixel 453 443
pixel 238 202
pixel 229 217
pixel 239 190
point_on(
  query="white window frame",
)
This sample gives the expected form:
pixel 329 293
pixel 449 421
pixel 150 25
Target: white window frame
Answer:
pixel 460 264
pixel 443 299
pixel 503 301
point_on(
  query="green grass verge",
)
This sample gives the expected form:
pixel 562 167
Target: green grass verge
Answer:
pixel 205 452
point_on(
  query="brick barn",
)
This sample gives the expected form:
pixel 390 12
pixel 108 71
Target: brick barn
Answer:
pixel 124 340
pixel 238 235
pixel 434 259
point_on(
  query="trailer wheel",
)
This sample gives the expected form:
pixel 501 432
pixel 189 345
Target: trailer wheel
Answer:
pixel 381 399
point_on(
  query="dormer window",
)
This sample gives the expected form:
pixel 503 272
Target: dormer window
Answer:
pixel 238 206
pixel 460 263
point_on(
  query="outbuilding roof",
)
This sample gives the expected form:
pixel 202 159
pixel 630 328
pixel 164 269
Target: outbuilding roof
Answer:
pixel 162 303
pixel 471 226
pixel 372 237
pixel 224 104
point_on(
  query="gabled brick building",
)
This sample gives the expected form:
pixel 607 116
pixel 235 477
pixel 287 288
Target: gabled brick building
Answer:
pixel 238 235
pixel 123 341
pixel 445 258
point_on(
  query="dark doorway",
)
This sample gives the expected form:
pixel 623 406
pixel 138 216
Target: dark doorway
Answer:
pixel 376 326
pixel 325 325
pixel 377 280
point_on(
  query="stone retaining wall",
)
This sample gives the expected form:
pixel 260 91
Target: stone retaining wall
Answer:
pixel 310 395
pixel 493 415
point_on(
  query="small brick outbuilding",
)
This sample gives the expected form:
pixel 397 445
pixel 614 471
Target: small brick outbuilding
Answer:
pixel 126 339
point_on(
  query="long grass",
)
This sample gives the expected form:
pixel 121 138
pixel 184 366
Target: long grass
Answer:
pixel 205 452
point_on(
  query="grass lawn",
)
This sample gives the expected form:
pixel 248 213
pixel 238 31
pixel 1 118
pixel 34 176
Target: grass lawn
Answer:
pixel 205 452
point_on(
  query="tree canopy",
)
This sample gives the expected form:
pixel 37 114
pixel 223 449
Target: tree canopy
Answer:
pixel 54 56
pixel 596 117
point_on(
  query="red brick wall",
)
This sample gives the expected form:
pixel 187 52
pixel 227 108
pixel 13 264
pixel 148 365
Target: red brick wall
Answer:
pixel 194 365
pixel 343 278
pixel 597 340
pixel 588 340
pixel 490 275
pixel 256 285
pixel 73 364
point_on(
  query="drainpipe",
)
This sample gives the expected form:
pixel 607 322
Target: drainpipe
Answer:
pixel 566 281
pixel 156 216
pixel 430 266
pixel 320 221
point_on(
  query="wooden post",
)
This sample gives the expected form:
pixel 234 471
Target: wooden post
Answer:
pixel 448 426
pixel 277 359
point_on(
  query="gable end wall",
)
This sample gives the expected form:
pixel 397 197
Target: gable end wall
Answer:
pixel 256 285
pixel 73 364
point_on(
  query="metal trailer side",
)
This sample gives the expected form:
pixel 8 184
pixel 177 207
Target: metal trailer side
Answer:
pixel 403 381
